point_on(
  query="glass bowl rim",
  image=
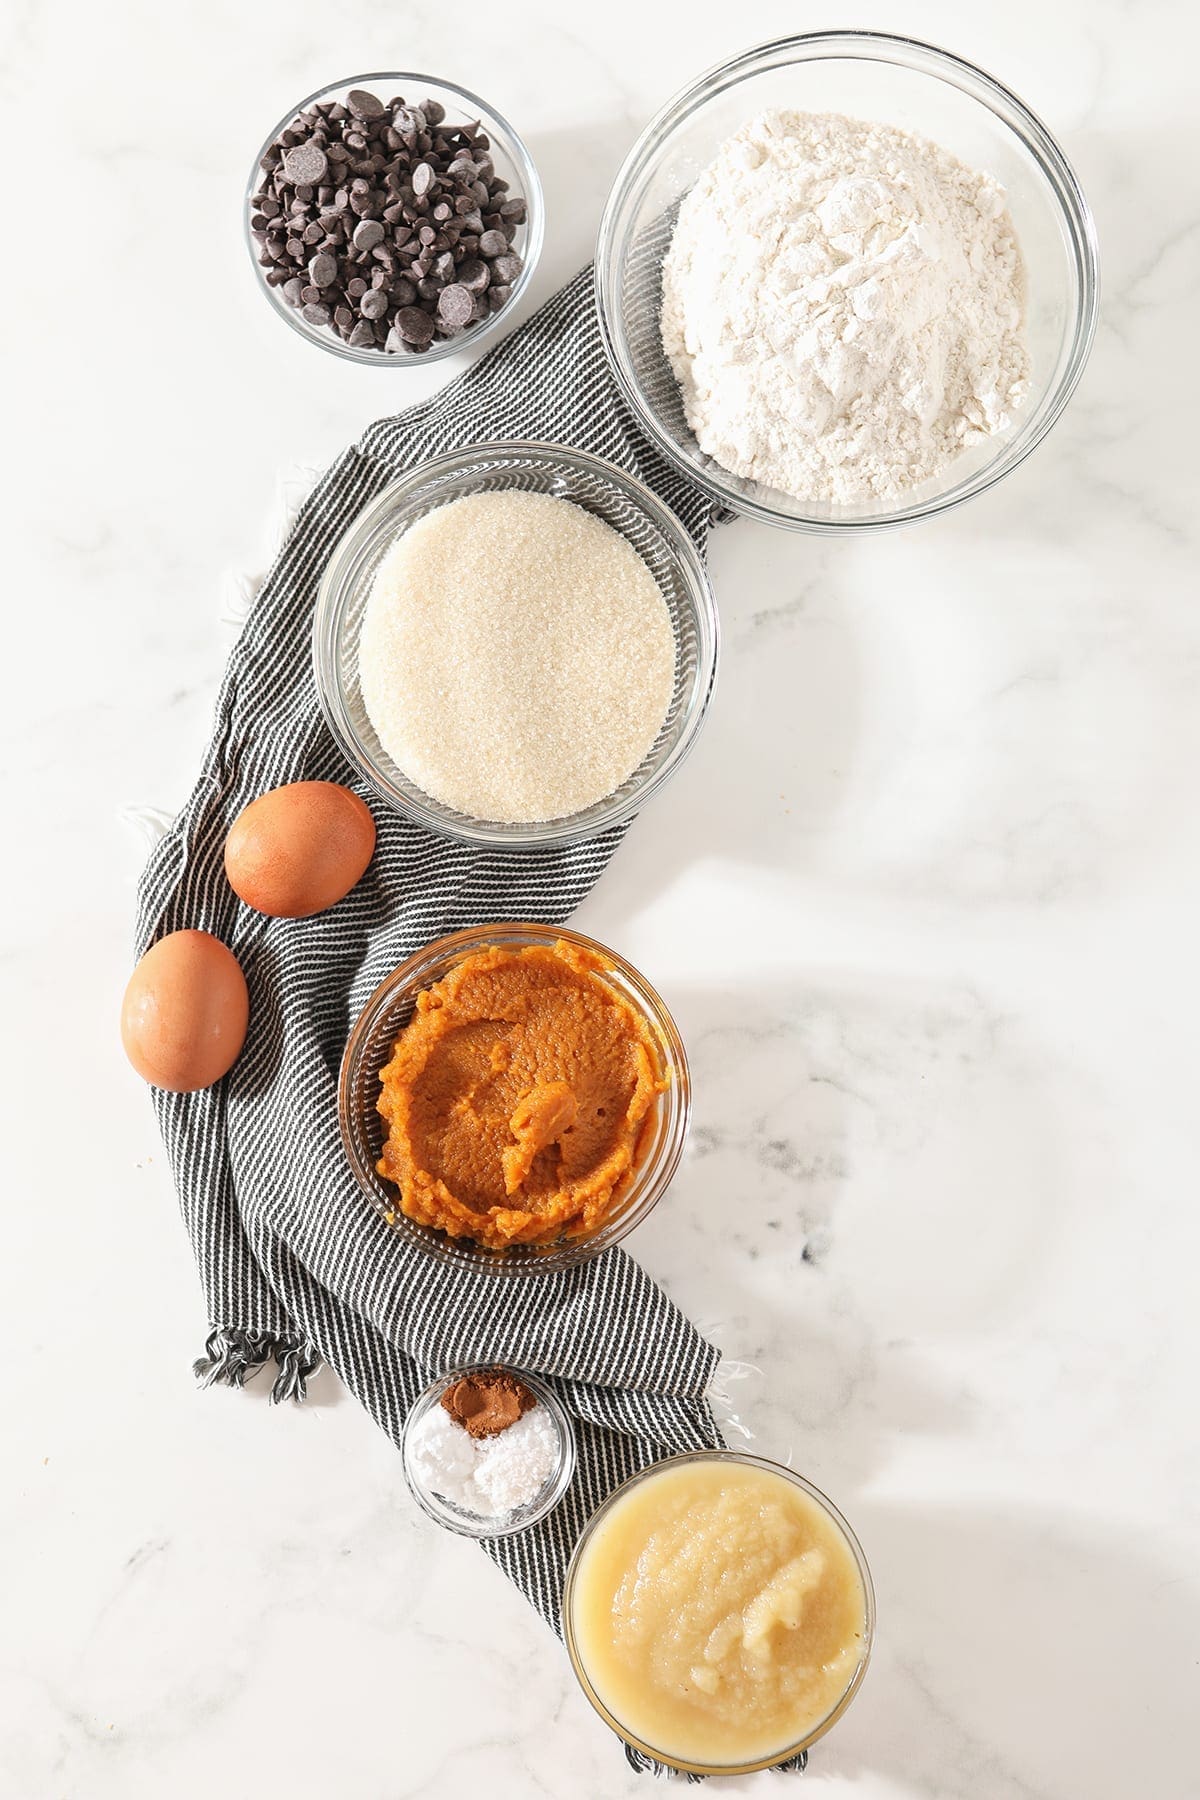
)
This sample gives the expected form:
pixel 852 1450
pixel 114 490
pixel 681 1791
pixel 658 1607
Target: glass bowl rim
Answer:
pixel 647 1193
pixel 330 603
pixel 944 65
pixel 749 1459
pixel 514 147
pixel 556 1488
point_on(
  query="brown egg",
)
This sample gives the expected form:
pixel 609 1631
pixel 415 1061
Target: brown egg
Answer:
pixel 183 1019
pixel 299 849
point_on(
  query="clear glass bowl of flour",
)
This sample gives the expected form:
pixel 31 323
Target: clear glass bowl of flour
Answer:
pixel 610 494
pixel 890 80
pixel 451 1509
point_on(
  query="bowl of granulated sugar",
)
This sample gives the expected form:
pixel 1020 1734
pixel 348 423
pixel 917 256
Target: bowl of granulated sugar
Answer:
pixel 516 644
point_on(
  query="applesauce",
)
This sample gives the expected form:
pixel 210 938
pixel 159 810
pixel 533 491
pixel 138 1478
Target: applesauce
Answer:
pixel 719 1611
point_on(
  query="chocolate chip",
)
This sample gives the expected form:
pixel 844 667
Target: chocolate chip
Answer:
pixel 374 304
pixel 423 178
pixel 356 288
pixel 322 270
pixel 364 105
pixel 368 234
pixel 493 243
pixel 507 268
pixel 305 164
pixel 474 275
pixel 414 326
pixel 362 335
pixel 455 307
pixel 315 313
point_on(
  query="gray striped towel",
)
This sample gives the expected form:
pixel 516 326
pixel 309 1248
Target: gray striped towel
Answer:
pixel 295 1264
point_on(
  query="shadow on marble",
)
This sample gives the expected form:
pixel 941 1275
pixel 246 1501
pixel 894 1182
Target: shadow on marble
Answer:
pixel 839 1129
pixel 1020 1655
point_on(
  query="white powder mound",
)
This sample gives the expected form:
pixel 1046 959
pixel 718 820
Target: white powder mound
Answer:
pixel 843 308
pixel 487 1477
pixel 517 657
pixel 514 1467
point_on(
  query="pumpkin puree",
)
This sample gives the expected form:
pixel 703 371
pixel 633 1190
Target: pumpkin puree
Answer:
pixel 517 1097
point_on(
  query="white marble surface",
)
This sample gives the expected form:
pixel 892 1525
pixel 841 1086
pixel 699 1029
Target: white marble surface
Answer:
pixel 925 901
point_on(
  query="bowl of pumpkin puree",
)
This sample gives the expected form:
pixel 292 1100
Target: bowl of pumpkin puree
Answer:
pixel 718 1613
pixel 514 1097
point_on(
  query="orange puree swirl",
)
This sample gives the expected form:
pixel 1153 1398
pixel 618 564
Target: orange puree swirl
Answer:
pixel 517 1097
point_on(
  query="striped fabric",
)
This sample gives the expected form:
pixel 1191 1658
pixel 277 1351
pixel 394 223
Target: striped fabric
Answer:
pixel 295 1264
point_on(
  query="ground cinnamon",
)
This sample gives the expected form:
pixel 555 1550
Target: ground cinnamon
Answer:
pixel 488 1402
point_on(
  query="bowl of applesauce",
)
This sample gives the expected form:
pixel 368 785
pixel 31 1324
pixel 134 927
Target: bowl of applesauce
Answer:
pixel 719 1613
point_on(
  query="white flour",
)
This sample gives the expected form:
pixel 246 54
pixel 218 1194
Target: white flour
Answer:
pixel 843 307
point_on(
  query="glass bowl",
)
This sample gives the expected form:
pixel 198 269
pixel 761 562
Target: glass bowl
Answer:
pixel 512 161
pixel 617 498
pixel 571 1637
pixel 363 1130
pixel 444 1512
pixel 873 76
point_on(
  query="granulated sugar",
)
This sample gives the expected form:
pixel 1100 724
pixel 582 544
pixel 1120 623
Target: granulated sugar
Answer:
pixel 517 657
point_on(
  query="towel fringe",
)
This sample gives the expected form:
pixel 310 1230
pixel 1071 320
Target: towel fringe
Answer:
pixel 646 1765
pixel 232 1356
pixel 296 1363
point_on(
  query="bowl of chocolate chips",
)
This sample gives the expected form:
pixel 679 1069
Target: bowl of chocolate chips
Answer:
pixel 393 218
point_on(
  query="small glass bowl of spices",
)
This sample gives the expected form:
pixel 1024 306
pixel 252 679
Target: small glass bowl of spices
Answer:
pixel 487 1451
pixel 393 218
